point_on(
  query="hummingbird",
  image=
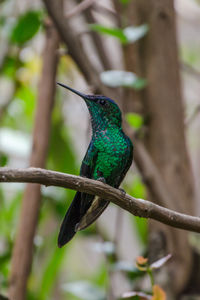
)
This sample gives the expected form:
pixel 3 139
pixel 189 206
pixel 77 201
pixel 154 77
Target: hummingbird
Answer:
pixel 108 158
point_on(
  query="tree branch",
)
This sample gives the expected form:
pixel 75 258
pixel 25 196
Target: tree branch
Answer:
pixel 137 207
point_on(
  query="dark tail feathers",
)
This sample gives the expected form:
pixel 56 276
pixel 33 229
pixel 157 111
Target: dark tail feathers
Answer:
pixel 72 217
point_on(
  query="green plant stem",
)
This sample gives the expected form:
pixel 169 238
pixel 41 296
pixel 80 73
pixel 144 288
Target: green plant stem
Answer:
pixel 150 273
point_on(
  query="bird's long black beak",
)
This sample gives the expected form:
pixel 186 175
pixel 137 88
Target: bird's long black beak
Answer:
pixel 84 96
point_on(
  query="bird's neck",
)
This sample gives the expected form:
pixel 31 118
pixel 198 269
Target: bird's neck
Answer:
pixel 98 124
pixel 102 125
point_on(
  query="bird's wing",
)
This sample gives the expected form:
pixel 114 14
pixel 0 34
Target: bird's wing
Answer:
pixel 98 205
pixel 87 169
pixel 89 161
pixel 81 201
pixel 91 206
pixel 127 165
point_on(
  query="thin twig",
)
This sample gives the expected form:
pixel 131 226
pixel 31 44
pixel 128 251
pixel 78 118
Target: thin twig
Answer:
pixel 99 8
pixel 137 207
pixel 78 9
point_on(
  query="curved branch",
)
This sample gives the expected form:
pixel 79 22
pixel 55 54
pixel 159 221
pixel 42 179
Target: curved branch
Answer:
pixel 137 207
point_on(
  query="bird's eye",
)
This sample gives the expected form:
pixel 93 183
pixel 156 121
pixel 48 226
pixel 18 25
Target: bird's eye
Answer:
pixel 102 101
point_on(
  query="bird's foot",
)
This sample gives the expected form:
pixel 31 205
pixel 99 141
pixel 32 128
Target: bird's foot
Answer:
pixel 101 179
pixel 77 227
pixel 123 191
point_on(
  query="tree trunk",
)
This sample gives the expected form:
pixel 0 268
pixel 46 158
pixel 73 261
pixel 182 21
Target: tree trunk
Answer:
pixel 155 58
pixel 23 248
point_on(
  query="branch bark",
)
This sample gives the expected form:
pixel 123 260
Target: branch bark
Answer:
pixel 138 207
pixel 22 253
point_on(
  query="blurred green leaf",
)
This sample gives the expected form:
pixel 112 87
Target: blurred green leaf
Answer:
pixel 134 33
pixel 28 96
pixel 101 278
pixel 138 190
pixel 26 27
pixel 2 20
pixel 134 120
pixel 190 55
pixel 142 228
pixel 115 32
pixel 8 215
pixel 124 2
pixel 22 108
pixel 85 290
pixel 3 159
pixel 117 78
pixel 139 84
pixel 10 65
pixel 49 275
pixel 127 35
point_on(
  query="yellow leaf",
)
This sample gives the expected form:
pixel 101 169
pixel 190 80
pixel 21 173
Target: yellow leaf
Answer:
pixel 158 293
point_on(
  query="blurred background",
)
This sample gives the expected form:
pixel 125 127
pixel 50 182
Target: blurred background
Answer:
pixel 145 56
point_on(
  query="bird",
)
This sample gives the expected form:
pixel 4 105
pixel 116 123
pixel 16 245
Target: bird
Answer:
pixel 108 158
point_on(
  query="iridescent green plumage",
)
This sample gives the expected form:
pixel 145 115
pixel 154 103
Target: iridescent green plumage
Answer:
pixel 108 158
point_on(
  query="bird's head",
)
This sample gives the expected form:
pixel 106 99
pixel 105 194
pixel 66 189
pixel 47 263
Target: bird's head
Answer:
pixel 103 110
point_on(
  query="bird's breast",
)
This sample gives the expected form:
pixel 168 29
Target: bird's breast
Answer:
pixel 112 142
pixel 113 153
